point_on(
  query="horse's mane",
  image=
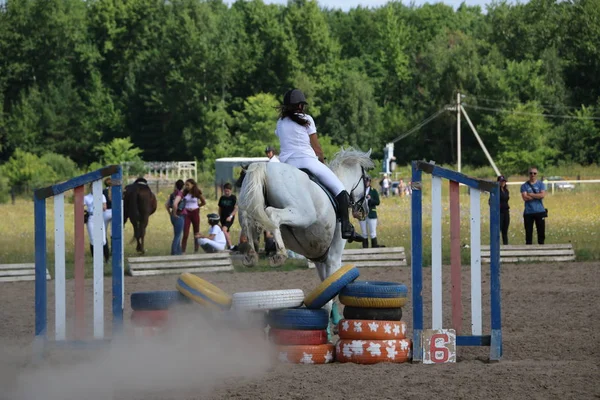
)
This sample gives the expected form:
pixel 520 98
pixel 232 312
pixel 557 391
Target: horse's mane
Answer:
pixel 351 156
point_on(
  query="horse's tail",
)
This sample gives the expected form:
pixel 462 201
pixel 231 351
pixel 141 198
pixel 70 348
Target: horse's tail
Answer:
pixel 252 197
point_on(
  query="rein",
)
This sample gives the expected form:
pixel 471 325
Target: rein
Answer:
pixel 355 205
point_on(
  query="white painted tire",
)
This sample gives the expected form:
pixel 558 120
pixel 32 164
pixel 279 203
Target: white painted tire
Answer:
pixel 267 300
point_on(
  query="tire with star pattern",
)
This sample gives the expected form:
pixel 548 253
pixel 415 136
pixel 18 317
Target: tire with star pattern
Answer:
pixel 306 354
pixel 371 330
pixel 373 351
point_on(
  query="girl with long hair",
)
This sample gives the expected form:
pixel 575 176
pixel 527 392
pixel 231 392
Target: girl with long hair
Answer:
pixel 194 199
pixel 300 147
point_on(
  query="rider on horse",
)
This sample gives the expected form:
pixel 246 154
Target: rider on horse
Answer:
pixel 300 147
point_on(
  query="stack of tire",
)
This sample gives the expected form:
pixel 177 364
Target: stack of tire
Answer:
pixel 300 334
pixel 152 311
pixel 372 330
pixel 297 331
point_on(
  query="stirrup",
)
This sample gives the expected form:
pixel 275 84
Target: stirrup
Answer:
pixel 353 236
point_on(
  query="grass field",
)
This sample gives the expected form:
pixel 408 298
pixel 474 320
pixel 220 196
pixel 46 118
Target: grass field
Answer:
pixel 574 217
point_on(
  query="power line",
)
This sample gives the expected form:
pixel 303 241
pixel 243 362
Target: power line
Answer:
pixel 513 103
pixel 501 110
pixel 421 124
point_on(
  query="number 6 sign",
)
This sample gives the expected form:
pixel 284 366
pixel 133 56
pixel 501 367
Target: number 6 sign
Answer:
pixel 439 346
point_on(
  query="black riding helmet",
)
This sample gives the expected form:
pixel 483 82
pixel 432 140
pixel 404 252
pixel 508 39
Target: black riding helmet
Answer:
pixel 293 97
pixel 213 217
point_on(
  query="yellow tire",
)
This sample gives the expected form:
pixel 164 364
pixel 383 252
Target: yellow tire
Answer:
pixel 203 292
pixel 373 302
pixel 331 286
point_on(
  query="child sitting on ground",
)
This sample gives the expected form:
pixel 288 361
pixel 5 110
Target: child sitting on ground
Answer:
pixel 215 241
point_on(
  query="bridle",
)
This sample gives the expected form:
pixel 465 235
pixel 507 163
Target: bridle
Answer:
pixel 358 209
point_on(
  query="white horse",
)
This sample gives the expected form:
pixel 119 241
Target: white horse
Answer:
pixel 283 199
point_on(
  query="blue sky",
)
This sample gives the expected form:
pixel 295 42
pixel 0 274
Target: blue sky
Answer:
pixel 348 4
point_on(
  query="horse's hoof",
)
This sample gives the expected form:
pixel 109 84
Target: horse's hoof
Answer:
pixel 277 260
pixel 250 260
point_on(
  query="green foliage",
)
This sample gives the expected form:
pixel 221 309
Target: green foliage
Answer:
pixel 255 125
pixel 120 151
pixel 4 189
pixel 27 170
pixel 523 140
pixel 195 79
pixel 63 167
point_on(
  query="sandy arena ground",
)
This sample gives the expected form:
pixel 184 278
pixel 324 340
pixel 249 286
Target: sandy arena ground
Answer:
pixel 551 348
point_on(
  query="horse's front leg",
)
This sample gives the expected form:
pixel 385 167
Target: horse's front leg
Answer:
pixel 279 258
pixel 286 216
pixel 251 256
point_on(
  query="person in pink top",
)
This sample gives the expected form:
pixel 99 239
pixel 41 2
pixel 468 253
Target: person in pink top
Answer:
pixel 194 199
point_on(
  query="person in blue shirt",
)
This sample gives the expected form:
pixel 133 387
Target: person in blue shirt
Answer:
pixel 532 192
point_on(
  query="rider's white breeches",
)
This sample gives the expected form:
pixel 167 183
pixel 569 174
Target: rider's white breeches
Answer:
pixel 321 171
pixel 371 225
pixel 107 215
pixel 90 228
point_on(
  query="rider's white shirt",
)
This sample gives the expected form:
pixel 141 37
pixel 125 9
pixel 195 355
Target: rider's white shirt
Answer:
pixel 274 159
pixel 88 201
pixel 294 138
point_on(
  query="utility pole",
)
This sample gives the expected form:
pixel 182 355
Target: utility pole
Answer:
pixel 458 149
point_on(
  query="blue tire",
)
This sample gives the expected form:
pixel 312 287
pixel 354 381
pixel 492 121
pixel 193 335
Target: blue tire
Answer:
pixel 157 300
pixel 298 318
pixel 331 286
pixel 375 290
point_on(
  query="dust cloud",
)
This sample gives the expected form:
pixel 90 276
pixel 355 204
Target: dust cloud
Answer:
pixel 195 355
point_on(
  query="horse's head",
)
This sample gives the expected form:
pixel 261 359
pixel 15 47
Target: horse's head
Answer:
pixel 350 166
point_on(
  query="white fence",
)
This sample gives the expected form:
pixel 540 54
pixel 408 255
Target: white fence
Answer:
pixel 554 185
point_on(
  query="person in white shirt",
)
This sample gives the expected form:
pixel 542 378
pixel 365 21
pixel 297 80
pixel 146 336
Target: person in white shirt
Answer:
pixel 215 240
pixel 88 201
pixel 271 154
pixel 385 185
pixel 300 147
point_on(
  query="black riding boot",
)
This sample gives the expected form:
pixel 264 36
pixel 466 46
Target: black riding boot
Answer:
pixel 106 252
pixel 365 243
pixel 374 242
pixel 348 231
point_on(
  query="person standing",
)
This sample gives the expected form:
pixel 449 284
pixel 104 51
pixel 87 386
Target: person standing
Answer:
pixel 532 192
pixel 270 152
pixel 300 147
pixel 88 201
pixel 215 240
pixel 504 209
pixel 385 185
pixel 227 210
pixel 194 199
pixel 368 227
pixel 175 205
pixel 107 214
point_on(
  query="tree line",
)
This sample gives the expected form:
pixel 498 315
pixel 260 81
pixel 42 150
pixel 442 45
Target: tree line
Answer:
pixel 198 79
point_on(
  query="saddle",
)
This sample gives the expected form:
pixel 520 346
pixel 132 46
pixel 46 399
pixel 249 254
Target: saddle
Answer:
pixel 330 195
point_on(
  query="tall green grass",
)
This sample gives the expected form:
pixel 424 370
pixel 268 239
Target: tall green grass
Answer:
pixel 574 218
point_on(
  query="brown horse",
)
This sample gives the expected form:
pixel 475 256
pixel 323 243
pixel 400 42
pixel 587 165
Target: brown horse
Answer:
pixel 139 203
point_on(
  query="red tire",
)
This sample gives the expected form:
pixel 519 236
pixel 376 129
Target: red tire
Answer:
pixel 320 354
pixel 367 329
pixel 150 318
pixel 297 337
pixel 373 351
